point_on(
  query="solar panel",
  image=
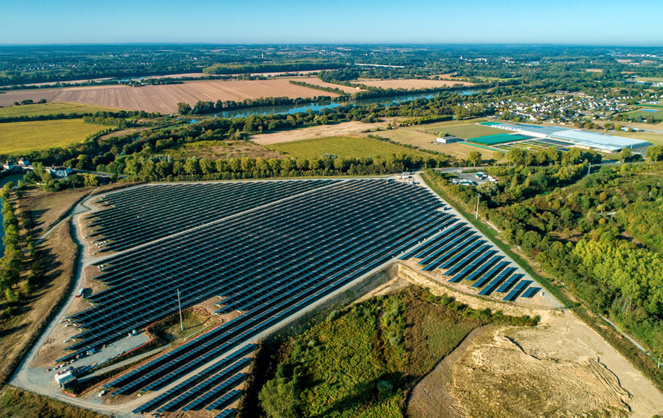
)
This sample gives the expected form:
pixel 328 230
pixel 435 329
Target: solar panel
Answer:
pixel 516 290
pixel 509 283
pixel 473 264
pixel 529 293
pixel 479 272
pixel 497 281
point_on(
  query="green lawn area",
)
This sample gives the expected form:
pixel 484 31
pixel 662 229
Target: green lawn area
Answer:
pixel 499 138
pixel 51 109
pixel 21 137
pixel 658 116
pixel 654 138
pixel 470 131
pixel 341 146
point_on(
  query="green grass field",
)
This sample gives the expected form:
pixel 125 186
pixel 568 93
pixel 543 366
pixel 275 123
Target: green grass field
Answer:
pixel 498 138
pixel 341 146
pixel 468 131
pixel 50 109
pixel 658 116
pixel 21 137
pixel 654 138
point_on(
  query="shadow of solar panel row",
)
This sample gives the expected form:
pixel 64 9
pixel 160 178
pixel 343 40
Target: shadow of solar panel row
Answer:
pixel 475 261
pixel 82 317
pixel 483 279
pixel 529 293
pixel 478 273
pixel 224 365
pixel 226 413
pixel 147 213
pixel 443 248
pixel 172 362
pixel 490 288
pixel 462 252
pixel 428 241
pixel 225 400
pixel 512 295
pixel 509 283
pixel 119 273
pixel 186 358
pixel 379 211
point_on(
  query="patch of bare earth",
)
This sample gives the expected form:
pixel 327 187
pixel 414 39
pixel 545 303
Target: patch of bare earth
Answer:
pixel 46 209
pixel 430 399
pixel 321 131
pixel 559 368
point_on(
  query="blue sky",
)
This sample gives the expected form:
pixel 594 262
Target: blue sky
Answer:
pixel 288 21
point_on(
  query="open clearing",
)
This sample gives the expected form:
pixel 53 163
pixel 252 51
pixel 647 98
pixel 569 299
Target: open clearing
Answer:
pixel 215 150
pixel 20 137
pixel 411 84
pixel 654 138
pixel 560 368
pixel 341 146
pixel 51 109
pixel 426 140
pixel 164 98
pixel 320 131
pixel 316 81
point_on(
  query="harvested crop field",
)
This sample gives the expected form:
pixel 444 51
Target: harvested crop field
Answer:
pixel 51 109
pixel 20 137
pixel 316 81
pixel 164 98
pixel 411 84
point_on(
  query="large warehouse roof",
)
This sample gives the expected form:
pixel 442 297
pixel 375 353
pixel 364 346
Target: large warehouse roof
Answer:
pixel 597 140
pixel 576 136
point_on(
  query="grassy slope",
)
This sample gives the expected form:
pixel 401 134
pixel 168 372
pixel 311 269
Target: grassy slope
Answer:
pixel 58 253
pixel 362 360
pixel 51 109
pixel 18 403
pixel 20 137
pixel 342 146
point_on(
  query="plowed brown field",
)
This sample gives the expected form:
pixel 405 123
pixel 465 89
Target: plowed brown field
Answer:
pixel 164 98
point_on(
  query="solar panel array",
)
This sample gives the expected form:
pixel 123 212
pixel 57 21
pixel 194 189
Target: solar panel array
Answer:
pixel 269 262
pixel 459 251
pixel 143 214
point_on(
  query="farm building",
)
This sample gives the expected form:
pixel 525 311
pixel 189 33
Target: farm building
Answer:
pixel 448 139
pixel 574 137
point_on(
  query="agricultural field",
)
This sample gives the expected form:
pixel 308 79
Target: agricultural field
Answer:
pixel 51 109
pixel 20 137
pixel 410 84
pixel 341 146
pixel 425 140
pixel 316 81
pixel 164 98
pixel 215 150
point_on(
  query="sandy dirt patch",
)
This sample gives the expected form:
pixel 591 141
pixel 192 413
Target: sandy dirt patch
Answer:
pixel 321 131
pixel 559 368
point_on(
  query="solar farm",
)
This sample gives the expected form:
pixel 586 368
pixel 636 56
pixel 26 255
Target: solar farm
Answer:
pixel 266 251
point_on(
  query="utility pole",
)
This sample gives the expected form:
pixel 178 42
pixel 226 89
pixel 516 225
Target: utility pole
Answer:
pixel 179 304
pixel 476 215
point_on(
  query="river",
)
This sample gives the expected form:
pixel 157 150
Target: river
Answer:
pixel 4 180
pixel 315 107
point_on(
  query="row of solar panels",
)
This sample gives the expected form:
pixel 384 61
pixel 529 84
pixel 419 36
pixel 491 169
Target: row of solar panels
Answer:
pixel 460 252
pixel 143 214
pixel 147 279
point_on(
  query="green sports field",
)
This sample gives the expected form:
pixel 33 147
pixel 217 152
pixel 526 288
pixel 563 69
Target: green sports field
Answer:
pixel 341 146
pixel 20 137
pixel 51 109
pixel 471 131
pixel 499 139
